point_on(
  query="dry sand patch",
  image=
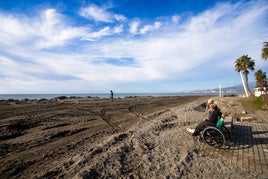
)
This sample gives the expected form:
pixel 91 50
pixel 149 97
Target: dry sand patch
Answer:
pixel 138 137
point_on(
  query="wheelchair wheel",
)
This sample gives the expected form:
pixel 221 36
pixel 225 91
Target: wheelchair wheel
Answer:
pixel 213 137
pixel 227 133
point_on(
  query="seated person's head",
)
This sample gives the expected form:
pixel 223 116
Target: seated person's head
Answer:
pixel 212 107
pixel 210 101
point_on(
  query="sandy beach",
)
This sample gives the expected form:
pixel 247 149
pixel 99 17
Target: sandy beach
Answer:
pixel 133 137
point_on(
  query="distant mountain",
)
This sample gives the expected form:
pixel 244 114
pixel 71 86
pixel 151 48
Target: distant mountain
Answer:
pixel 237 89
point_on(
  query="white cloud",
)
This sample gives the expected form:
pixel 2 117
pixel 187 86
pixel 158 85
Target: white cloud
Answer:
pixel 13 31
pixel 206 44
pixel 45 32
pixel 175 19
pixel 118 17
pixel 53 31
pixel 148 28
pixel 134 26
pixel 101 33
pixel 100 14
pixel 171 53
pixel 48 31
pixel 118 29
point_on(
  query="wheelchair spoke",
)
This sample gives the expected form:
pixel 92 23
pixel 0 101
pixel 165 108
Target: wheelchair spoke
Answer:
pixel 213 137
pixel 227 134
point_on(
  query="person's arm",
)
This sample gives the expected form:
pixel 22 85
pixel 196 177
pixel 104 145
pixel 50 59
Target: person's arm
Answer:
pixel 214 116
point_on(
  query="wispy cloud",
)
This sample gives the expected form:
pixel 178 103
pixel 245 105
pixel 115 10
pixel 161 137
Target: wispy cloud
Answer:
pixel 45 32
pixel 148 28
pixel 134 26
pixel 175 18
pixel 48 53
pixel 101 33
pixel 101 14
pixel 52 30
pixel 118 29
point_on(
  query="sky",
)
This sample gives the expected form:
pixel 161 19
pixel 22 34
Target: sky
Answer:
pixel 147 46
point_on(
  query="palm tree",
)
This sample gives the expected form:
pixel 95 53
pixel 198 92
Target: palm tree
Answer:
pixel 260 77
pixel 264 54
pixel 243 64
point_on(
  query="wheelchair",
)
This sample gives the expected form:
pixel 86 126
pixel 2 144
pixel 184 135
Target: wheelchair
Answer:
pixel 215 137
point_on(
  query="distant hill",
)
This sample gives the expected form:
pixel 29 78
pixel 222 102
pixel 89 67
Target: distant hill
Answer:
pixel 237 89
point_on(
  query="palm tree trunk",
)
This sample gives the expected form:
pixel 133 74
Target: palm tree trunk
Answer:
pixel 246 83
pixel 243 82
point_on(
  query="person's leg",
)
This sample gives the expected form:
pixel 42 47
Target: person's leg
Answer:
pixel 199 128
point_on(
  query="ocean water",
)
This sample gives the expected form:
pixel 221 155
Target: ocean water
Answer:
pixel 100 95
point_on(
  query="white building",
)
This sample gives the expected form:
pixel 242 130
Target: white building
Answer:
pixel 260 90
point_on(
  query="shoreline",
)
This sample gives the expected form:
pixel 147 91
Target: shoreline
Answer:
pixel 97 95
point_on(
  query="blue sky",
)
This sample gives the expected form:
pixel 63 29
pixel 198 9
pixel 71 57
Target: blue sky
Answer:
pixel 82 46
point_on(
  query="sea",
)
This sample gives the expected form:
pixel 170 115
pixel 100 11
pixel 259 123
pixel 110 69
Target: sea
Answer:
pixel 100 95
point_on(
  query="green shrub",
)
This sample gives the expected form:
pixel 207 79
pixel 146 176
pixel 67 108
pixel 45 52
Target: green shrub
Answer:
pixel 256 103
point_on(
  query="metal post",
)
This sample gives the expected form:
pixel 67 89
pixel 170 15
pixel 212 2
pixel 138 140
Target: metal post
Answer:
pixel 220 90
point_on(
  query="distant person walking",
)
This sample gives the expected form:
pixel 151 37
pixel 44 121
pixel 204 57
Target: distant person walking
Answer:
pixel 112 95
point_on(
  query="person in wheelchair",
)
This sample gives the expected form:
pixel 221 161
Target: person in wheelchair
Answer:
pixel 210 101
pixel 211 121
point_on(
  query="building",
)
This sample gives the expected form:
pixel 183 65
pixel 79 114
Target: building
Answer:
pixel 260 91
